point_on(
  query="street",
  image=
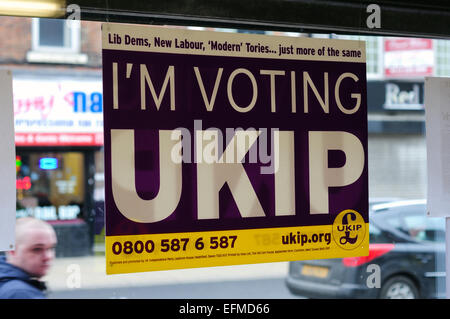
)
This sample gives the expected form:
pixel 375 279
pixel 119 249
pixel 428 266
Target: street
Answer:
pixel 237 289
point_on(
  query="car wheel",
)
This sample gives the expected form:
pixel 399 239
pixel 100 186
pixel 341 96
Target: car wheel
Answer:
pixel 399 287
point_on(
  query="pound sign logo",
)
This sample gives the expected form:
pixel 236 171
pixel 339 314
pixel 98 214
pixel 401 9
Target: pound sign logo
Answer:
pixel 349 229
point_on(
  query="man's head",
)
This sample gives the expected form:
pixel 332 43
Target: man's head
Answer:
pixel 35 243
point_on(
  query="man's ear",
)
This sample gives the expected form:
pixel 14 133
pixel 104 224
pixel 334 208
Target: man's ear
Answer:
pixel 10 254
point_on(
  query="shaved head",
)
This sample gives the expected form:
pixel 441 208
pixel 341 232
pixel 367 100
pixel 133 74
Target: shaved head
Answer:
pixel 26 224
pixel 35 243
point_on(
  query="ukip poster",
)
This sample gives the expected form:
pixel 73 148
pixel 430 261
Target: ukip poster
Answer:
pixel 226 148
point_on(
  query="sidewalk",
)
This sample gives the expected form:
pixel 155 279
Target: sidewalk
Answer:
pixel 90 273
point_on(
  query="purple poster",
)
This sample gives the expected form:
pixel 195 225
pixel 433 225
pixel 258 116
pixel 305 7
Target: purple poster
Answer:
pixel 226 148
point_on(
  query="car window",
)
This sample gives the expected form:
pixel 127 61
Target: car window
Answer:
pixel 376 235
pixel 425 229
pixel 417 225
pixel 395 221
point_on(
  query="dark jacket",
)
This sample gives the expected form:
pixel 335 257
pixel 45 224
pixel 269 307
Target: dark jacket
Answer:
pixel 17 284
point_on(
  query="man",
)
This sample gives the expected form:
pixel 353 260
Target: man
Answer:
pixel 22 268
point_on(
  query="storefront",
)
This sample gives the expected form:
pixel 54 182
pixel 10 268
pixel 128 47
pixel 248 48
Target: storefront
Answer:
pixel 58 131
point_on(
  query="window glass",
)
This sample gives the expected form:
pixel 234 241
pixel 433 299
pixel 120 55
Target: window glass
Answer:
pixel 66 186
pixel 414 223
pixel 56 41
pixel 425 229
pixel 442 57
pixel 52 33
pixel 376 235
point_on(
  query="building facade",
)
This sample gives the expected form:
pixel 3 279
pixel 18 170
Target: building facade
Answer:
pixel 57 91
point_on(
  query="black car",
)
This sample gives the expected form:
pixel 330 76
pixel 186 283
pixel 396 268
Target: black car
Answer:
pixel 407 250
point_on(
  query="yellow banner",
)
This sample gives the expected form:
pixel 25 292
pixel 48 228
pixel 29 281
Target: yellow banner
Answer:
pixel 139 253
